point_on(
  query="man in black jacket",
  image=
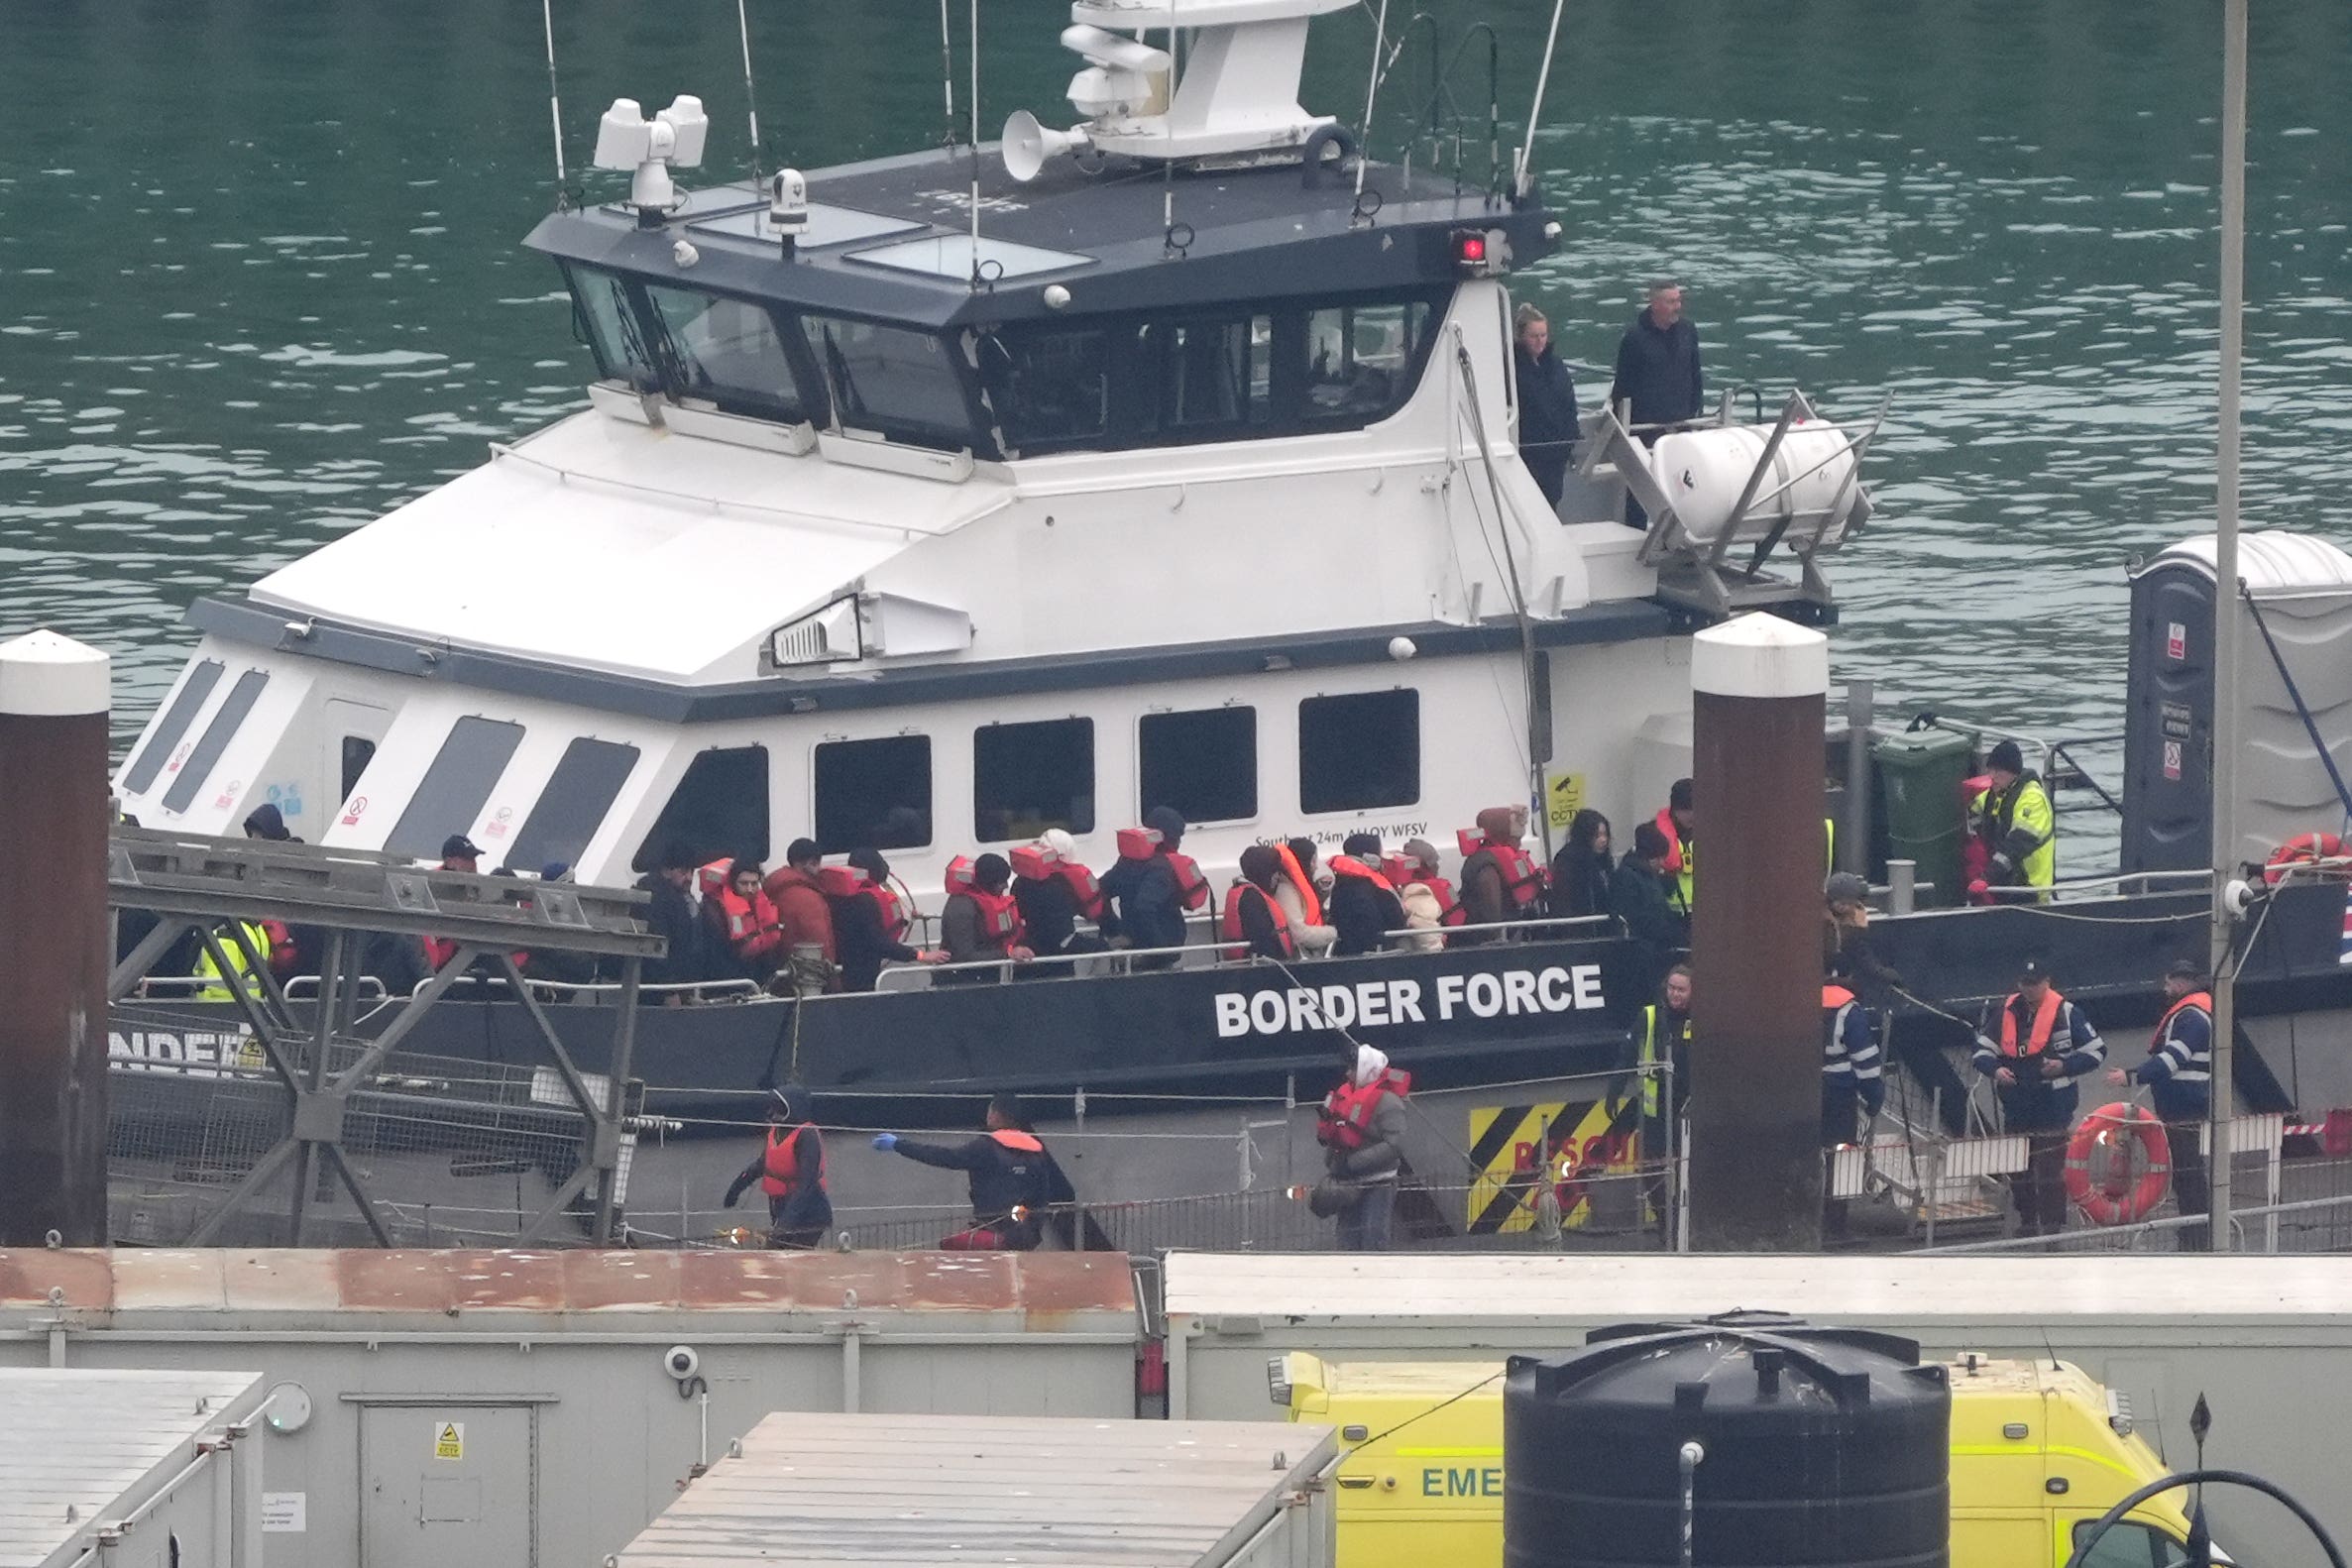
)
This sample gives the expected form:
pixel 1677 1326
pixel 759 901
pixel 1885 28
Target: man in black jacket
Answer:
pixel 671 915
pixel 1362 907
pixel 1143 898
pixel 1657 363
pixel 862 942
pixel 1639 894
pixel 1013 1179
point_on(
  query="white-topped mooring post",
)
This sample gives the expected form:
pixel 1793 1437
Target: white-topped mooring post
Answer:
pixel 1760 688
pixel 54 702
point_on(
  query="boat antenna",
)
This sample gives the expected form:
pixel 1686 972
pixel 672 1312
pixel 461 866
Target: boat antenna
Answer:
pixel 1379 41
pixel 976 114
pixel 1543 78
pixel 750 92
pixel 947 75
pixel 555 109
pixel 1167 242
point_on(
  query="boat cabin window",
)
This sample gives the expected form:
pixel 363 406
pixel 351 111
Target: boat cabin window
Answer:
pixel 1051 389
pixel 1028 777
pixel 450 796
pixel 896 382
pixel 1208 379
pixel 727 351
pixel 873 794
pixel 1361 751
pixel 1279 367
pixel 572 807
pixel 1204 762
pixel 718 811
pixel 609 323
pixel 215 739
pixel 1361 358
pixel 164 738
pixel 356 752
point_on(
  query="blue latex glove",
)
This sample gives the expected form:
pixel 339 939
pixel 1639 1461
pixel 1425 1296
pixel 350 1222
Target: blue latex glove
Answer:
pixel 885 1140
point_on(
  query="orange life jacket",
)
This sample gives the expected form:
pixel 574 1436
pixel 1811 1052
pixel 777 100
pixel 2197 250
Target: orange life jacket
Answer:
pixel 438 951
pixel 1349 865
pixel 1522 879
pixel 2203 999
pixel 1310 906
pixel 1346 1119
pixel 1834 996
pixel 1017 1141
pixel 751 926
pixel 896 917
pixel 1230 927
pixel 1082 887
pixel 781 1172
pixel 2045 1022
pixel 1191 886
pixel 282 953
pixel 839 881
pixel 1000 918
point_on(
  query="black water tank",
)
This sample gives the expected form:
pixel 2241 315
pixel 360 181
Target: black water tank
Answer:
pixel 1823 1447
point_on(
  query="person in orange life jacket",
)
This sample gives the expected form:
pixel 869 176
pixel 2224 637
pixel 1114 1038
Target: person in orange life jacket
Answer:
pixel 2035 1049
pixel 866 925
pixel 1300 893
pixel 1580 871
pixel 1253 919
pixel 1053 904
pixel 1641 897
pixel 982 921
pixel 1362 1131
pixel 747 938
pixel 1143 900
pixel 790 1169
pixel 1364 904
pixel 1499 880
pixel 1427 898
pixel 1014 1180
pixel 1678 820
pixel 802 913
pixel 457 853
pixel 670 914
pixel 2179 1070
pixel 1851 1079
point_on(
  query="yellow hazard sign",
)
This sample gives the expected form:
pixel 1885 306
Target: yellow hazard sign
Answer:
pixel 1569 1144
pixel 1563 796
pixel 449 1440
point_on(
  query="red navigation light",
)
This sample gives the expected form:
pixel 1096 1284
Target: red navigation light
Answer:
pixel 1479 253
pixel 1470 249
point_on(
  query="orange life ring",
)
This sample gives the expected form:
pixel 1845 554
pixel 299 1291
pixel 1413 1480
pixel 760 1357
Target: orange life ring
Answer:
pixel 2302 849
pixel 2109 1202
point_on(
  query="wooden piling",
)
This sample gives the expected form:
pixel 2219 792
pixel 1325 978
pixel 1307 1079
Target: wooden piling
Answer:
pixel 52 942
pixel 1758 687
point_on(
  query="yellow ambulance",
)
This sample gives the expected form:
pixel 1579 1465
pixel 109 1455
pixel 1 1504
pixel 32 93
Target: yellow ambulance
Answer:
pixel 2038 1450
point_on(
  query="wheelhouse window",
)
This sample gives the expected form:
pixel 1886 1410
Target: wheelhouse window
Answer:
pixel 1361 751
pixel 718 811
pixel 1209 378
pixel 451 794
pixel 357 751
pixel 164 739
pixel 1204 762
pixel 215 739
pixel 894 381
pixel 1361 358
pixel 1028 777
pixel 610 322
pixel 873 794
pixel 727 351
pixel 572 807
pixel 1051 389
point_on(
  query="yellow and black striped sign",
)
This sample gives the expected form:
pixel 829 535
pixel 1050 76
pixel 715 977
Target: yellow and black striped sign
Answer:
pixel 1569 1143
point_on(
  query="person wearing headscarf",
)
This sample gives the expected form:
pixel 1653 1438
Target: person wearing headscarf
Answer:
pixel 1362 1131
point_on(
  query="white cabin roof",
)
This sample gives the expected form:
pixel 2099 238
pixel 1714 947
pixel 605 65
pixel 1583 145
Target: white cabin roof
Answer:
pixel 609 545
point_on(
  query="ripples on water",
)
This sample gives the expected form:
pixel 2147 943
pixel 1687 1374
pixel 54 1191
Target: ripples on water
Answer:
pixel 262 280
